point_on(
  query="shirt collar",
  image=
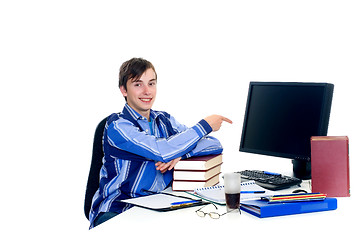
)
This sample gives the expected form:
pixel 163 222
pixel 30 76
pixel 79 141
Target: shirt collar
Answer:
pixel 136 116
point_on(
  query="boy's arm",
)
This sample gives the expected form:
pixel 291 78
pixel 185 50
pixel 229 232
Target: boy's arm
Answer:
pixel 124 135
pixel 207 145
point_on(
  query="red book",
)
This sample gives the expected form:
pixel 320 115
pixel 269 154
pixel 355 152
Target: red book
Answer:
pixel 330 166
pixel 199 163
pixel 190 185
pixel 196 174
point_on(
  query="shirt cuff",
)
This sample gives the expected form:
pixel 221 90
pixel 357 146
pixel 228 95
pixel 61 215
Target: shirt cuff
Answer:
pixel 202 128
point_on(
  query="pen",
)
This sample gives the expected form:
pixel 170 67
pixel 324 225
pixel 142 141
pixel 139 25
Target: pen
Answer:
pixel 253 192
pixel 299 195
pixel 296 197
pixel 185 202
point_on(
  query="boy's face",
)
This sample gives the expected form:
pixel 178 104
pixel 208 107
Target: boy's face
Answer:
pixel 141 93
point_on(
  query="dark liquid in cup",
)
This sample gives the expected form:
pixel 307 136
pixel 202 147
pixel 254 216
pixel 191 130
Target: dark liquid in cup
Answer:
pixel 232 200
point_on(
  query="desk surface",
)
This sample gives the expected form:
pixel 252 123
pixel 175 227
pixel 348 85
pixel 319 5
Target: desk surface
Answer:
pixel 139 222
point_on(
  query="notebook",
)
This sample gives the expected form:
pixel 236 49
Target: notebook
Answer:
pixel 216 193
pixel 162 201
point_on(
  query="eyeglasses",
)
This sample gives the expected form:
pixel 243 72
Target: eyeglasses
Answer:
pixel 213 215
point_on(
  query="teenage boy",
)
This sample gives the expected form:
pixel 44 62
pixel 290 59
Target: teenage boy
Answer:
pixel 141 146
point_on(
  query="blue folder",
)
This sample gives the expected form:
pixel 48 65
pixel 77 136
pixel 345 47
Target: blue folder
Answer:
pixel 263 209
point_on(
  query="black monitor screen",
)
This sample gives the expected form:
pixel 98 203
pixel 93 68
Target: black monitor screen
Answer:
pixel 280 118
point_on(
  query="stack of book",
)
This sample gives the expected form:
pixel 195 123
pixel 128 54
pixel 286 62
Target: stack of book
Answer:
pixel 197 172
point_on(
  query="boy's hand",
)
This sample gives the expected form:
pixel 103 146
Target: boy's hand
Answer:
pixel 163 167
pixel 215 121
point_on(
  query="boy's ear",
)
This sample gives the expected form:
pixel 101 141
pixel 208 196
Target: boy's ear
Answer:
pixel 124 92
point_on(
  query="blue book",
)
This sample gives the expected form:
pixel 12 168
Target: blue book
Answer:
pixel 262 209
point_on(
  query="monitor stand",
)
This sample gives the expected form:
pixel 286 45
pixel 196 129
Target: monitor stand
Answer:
pixel 302 169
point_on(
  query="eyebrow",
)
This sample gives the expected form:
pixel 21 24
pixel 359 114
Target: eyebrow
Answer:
pixel 140 80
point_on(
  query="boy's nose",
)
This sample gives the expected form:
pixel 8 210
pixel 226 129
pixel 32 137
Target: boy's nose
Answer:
pixel 146 90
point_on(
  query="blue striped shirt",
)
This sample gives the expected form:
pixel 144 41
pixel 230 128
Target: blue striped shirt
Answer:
pixel 131 149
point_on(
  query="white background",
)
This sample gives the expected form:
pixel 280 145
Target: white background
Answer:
pixel 59 65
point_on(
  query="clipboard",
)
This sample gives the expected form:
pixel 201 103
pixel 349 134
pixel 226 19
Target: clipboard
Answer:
pixel 162 202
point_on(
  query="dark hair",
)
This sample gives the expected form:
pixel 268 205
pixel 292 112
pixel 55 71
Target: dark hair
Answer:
pixel 133 69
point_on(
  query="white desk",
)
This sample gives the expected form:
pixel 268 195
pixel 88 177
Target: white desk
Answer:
pixel 186 224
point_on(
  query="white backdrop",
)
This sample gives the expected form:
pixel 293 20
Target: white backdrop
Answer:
pixel 59 66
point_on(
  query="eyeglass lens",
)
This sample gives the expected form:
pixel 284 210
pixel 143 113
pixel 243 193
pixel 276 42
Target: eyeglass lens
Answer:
pixel 213 215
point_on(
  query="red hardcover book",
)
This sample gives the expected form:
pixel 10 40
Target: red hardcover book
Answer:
pixel 190 185
pixel 199 163
pixel 196 175
pixel 330 165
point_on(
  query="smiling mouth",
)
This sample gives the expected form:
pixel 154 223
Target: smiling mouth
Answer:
pixel 145 99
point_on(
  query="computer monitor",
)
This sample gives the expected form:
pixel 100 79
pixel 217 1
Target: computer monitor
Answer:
pixel 281 117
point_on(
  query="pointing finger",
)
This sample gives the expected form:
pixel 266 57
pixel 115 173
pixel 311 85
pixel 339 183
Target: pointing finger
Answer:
pixel 227 120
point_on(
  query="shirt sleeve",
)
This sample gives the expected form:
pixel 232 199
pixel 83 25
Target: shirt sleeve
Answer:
pixel 207 145
pixel 124 135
